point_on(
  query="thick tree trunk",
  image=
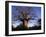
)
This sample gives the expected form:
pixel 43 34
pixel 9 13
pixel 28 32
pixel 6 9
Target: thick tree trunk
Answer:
pixel 25 24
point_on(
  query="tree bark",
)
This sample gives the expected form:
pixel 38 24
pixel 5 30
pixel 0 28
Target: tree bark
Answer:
pixel 25 24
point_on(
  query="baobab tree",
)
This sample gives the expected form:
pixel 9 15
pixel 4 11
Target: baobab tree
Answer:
pixel 24 17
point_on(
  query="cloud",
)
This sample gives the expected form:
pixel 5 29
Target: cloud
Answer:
pixel 16 23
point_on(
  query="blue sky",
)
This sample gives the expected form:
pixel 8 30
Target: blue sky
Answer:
pixel 35 12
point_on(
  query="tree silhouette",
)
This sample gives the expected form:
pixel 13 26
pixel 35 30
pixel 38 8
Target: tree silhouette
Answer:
pixel 24 17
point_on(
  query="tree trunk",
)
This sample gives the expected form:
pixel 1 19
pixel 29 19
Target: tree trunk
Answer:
pixel 25 24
